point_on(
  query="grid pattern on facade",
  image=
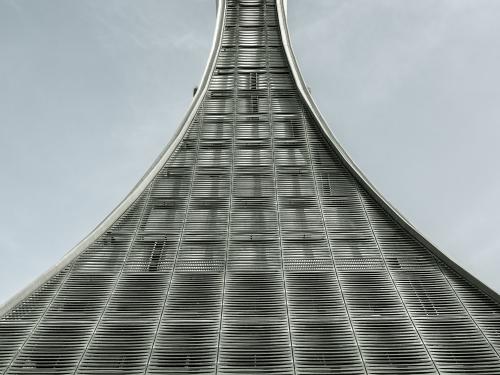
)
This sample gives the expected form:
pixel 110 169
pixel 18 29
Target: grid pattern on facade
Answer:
pixel 253 250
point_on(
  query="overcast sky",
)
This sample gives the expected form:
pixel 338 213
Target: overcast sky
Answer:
pixel 91 91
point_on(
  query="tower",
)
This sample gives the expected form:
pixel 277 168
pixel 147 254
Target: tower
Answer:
pixel 253 245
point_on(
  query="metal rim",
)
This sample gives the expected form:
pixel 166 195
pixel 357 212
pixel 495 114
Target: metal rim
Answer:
pixel 145 180
pixel 354 169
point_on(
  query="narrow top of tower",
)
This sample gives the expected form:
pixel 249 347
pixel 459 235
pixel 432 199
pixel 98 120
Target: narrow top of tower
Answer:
pixel 285 5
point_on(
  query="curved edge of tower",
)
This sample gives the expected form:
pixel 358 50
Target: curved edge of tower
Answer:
pixel 150 174
pixel 353 168
pixel 165 154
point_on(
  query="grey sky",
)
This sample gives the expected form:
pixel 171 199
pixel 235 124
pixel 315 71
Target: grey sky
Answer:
pixel 92 90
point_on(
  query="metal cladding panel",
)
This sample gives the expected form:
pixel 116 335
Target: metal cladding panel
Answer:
pixel 253 248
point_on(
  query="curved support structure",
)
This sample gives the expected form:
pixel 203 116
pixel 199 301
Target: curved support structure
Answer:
pixel 254 244
pixel 145 180
pixel 353 168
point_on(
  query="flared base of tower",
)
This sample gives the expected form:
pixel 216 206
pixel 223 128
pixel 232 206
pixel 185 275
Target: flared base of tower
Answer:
pixel 253 246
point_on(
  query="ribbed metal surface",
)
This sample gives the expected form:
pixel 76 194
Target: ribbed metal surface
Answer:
pixel 253 250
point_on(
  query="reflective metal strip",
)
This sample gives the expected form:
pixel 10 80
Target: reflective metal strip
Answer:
pixel 142 184
pixel 353 168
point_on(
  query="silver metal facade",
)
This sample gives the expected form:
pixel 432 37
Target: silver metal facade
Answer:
pixel 253 245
